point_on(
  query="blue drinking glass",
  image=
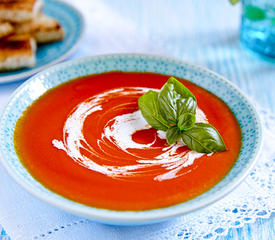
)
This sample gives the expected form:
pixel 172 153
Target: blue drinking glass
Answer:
pixel 258 26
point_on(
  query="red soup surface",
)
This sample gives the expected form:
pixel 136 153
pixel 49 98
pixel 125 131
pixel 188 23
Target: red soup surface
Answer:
pixel 87 141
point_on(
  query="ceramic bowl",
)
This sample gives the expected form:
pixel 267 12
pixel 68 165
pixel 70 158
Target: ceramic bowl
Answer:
pixel 218 85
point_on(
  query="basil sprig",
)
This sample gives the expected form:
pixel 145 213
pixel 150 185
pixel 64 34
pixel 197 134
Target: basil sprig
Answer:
pixel 173 110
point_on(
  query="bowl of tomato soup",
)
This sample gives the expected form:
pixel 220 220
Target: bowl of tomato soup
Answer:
pixel 73 136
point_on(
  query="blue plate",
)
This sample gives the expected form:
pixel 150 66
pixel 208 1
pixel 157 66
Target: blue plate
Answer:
pixel 51 53
pixel 39 84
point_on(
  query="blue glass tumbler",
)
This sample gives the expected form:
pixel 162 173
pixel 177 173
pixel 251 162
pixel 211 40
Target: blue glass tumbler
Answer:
pixel 258 26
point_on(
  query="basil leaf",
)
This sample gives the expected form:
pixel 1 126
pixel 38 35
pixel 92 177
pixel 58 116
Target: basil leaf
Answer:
pixel 175 99
pixel 187 105
pixel 254 13
pixel 172 135
pixel 168 103
pixel 149 107
pixel 203 138
pixel 187 101
pixel 186 121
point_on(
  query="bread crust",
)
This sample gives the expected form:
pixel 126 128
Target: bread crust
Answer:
pixel 43 28
pixel 5 29
pixel 19 10
pixel 17 52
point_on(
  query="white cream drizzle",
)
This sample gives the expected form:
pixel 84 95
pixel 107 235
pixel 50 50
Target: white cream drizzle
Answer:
pixel 118 133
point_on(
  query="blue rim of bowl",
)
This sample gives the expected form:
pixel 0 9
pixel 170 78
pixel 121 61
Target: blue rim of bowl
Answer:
pixel 34 70
pixel 131 217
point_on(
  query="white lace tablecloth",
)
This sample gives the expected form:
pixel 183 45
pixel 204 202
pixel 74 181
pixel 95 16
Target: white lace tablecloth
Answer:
pixel 202 32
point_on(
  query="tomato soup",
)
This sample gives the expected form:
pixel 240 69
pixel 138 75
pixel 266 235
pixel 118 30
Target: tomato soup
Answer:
pixel 87 141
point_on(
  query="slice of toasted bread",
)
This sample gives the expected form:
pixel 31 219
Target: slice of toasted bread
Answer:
pixel 43 28
pixel 17 52
pixel 5 29
pixel 19 10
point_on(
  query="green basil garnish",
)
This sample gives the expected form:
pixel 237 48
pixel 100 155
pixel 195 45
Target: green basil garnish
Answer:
pixel 254 13
pixel 173 109
pixel 203 138
pixel 149 107
pixel 172 135
pixel 186 121
pixel 175 99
